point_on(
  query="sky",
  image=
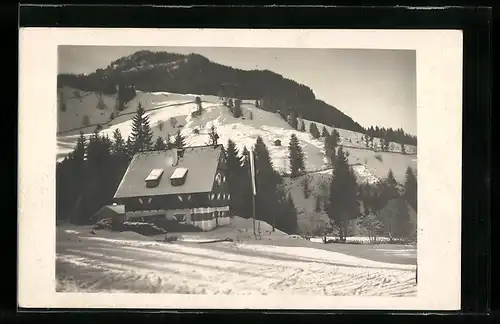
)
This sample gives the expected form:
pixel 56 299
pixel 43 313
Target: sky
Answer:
pixel 373 87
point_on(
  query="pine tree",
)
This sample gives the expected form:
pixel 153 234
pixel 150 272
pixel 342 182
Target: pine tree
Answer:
pixel 198 103
pixel 233 174
pixel 410 188
pixel 98 176
pixel 81 149
pixel 237 112
pixel 214 137
pixel 266 180
pixel 159 144
pixel 313 129
pixel 168 142
pixel 343 203
pixel 286 219
pixel 179 141
pixel 324 132
pixel 390 187
pixel 403 148
pixel 141 131
pixel 296 157
pixel 130 147
pixel 301 125
pixel 331 143
pixel 245 154
pixel 119 146
pixel 244 197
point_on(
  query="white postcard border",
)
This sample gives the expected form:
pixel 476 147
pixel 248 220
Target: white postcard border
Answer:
pixel 439 129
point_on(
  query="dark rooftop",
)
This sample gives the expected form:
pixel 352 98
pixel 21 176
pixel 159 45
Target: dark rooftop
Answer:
pixel 201 162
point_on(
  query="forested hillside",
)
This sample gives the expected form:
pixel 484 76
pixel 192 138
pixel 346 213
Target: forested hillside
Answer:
pixel 160 71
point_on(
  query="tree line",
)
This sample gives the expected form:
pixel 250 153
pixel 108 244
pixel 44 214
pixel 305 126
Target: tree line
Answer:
pixel 88 177
pixel 381 208
pixel 391 135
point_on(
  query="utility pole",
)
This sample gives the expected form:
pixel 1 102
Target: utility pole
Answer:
pixel 252 175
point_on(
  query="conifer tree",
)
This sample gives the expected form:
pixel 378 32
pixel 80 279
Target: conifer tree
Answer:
pixel 198 103
pixel 141 131
pixel 159 144
pixel 130 147
pixel 168 142
pixel 293 119
pixel 324 132
pixel 81 149
pixel 286 219
pixel 233 173
pixel 244 197
pixel 237 112
pixel 119 146
pixel 390 186
pixel 313 129
pixel 343 203
pixel 410 188
pixel 331 143
pixel 179 141
pixel 295 156
pixel 266 180
pixel 244 157
pixel 301 125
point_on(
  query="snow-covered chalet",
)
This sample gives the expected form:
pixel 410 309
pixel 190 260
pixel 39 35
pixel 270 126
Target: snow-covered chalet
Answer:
pixel 186 185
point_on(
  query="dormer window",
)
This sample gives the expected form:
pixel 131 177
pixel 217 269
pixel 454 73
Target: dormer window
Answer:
pixel 178 178
pixel 154 177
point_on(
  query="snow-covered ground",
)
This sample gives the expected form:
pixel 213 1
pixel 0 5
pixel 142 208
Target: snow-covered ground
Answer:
pixel 170 112
pixel 101 264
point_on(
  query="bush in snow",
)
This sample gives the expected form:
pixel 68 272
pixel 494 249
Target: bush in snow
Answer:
pixel 379 157
pixel 372 226
pixel 196 131
pixel 172 121
pixel 142 228
pixel 198 103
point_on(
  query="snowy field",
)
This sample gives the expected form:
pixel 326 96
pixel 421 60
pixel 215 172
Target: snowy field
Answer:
pixel 103 263
pixel 170 112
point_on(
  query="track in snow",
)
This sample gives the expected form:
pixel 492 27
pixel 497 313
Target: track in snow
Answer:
pixel 93 264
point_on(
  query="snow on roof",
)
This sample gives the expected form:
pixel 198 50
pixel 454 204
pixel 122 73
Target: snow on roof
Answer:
pixel 201 161
pixel 179 173
pixel 154 174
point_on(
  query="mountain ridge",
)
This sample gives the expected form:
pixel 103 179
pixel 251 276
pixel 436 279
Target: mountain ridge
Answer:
pixel 151 71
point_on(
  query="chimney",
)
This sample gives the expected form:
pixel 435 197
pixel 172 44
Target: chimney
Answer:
pixel 175 157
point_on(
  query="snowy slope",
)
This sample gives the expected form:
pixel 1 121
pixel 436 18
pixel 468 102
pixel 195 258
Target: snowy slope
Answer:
pixel 170 112
pixel 98 264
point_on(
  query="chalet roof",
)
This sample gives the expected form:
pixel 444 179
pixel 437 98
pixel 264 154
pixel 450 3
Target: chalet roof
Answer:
pixel 200 161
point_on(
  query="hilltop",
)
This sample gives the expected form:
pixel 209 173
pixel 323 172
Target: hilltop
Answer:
pixel 187 74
